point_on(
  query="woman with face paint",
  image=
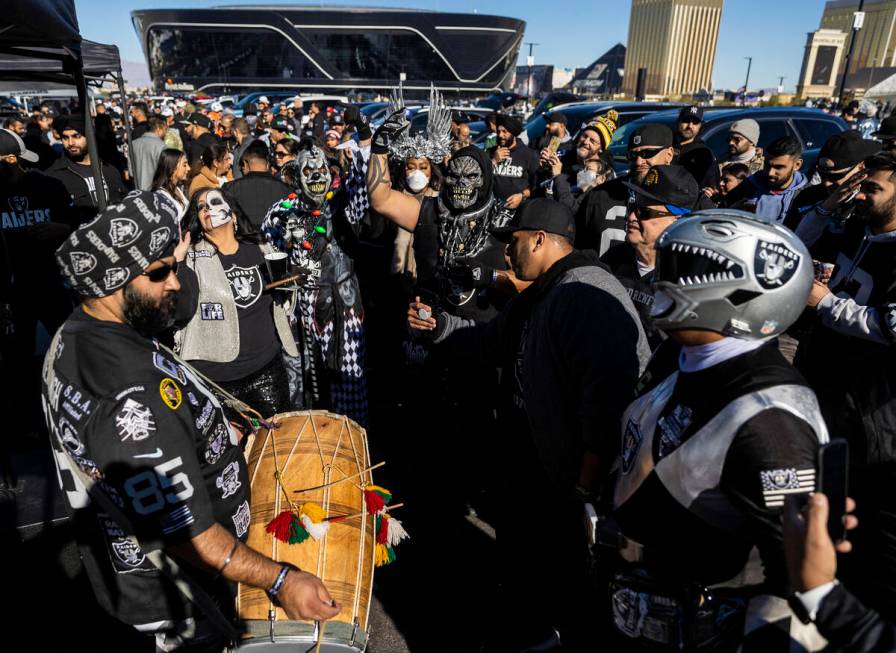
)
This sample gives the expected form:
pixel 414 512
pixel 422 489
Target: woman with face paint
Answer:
pixel 231 330
pixel 419 178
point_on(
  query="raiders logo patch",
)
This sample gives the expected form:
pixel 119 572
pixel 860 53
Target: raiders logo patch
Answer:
pixel 229 480
pixel 170 393
pixel 241 519
pixel 775 264
pixel 778 483
pixel 211 311
pixel 216 445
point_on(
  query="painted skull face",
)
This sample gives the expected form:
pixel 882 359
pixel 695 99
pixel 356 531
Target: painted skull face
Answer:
pixel 314 175
pixel 463 182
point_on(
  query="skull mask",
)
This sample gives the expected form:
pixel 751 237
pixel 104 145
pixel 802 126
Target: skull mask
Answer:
pixel 463 182
pixel 313 175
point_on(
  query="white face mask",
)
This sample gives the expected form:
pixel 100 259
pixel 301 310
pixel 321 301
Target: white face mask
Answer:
pixel 585 178
pixel 417 181
pixel 218 209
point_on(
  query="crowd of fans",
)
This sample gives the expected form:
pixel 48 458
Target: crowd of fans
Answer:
pixel 528 308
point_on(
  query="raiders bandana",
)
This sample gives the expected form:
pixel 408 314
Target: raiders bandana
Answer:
pixel 101 256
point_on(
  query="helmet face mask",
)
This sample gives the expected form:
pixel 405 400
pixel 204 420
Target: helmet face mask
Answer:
pixel 728 272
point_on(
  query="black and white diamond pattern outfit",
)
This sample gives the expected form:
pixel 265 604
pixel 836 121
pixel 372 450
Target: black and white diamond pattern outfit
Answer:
pixel 329 325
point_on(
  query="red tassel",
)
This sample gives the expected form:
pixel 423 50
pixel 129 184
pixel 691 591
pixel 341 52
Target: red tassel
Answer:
pixel 382 534
pixel 374 501
pixel 280 526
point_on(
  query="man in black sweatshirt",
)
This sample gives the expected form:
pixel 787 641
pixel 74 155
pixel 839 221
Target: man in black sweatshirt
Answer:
pixel 515 163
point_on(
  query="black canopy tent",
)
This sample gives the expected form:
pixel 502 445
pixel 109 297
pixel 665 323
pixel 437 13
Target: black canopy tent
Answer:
pixel 47 30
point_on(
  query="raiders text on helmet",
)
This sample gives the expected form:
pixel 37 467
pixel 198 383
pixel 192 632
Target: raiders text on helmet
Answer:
pixel 726 271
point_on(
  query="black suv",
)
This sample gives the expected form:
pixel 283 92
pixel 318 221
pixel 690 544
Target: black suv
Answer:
pixel 812 126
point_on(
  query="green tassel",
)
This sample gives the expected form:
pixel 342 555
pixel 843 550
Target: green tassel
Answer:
pixel 297 532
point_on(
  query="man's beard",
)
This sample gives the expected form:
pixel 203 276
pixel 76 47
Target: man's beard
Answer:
pixel 77 158
pixel 144 315
pixel 876 217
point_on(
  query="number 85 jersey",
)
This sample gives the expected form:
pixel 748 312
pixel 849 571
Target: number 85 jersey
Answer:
pixel 155 441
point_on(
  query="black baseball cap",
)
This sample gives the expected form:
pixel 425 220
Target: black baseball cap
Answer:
pixel 692 112
pixel 336 119
pixel 10 143
pixel 651 134
pixel 887 128
pixel 281 124
pixel 845 150
pixel 668 185
pixel 197 119
pixel 555 116
pixel 539 214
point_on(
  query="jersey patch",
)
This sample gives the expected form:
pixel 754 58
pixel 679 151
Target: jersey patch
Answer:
pixel 777 483
pixel 170 393
pixel 217 444
pixel 169 368
pixel 135 421
pixel 241 519
pixel 671 427
pixel 631 443
pixel 229 482
pixel 211 311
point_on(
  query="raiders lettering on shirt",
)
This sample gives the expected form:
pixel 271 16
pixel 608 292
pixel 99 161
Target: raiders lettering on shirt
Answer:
pixel 21 214
pixel 507 169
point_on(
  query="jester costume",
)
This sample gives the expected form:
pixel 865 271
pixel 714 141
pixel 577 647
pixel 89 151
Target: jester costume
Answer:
pixel 314 228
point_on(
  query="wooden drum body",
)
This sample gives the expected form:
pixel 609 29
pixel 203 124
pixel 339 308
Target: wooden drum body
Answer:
pixel 313 449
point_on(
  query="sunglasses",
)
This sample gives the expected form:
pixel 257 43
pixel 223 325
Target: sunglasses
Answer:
pixel 280 155
pixel 644 154
pixel 161 274
pixel 833 176
pixel 644 213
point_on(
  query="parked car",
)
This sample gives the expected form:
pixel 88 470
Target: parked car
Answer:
pixel 498 101
pixel 812 126
pixel 421 117
pixel 276 97
pixel 552 100
pixel 578 113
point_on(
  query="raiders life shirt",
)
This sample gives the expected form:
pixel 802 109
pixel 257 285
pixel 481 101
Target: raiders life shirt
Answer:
pixel 517 172
pixel 735 489
pixel 154 439
pixel 259 342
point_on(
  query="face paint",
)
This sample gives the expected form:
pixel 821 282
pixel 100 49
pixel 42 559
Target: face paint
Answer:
pixel 314 175
pixel 417 181
pixel 463 181
pixel 218 209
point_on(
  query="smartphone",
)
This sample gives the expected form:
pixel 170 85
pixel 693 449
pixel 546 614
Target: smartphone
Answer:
pixel 833 476
pixel 553 144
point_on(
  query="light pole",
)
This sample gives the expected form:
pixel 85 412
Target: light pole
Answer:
pixel 529 61
pixel 747 82
pixel 858 19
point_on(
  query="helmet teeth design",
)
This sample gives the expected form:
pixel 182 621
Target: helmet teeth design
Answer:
pixel 717 268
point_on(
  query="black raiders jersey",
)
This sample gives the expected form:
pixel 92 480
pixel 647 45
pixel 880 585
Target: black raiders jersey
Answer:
pixel 708 458
pixel 154 439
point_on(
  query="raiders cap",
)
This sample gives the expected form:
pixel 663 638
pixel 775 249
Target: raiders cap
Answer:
pixel 539 214
pixel 668 185
pixel 652 135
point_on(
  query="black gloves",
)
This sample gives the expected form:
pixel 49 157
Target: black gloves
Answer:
pixel 389 132
pixel 354 118
pixel 469 274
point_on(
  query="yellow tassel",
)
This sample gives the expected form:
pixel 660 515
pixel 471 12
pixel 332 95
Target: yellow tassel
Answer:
pixel 383 555
pixel 315 512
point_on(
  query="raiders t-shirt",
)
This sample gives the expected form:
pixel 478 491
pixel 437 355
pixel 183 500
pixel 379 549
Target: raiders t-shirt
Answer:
pixel 259 342
pixel 155 440
pixel 771 455
pixel 517 172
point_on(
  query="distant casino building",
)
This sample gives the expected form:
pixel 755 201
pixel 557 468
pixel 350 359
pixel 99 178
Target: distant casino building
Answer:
pixel 326 49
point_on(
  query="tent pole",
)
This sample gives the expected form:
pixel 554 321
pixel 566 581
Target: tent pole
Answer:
pixel 125 112
pixel 95 163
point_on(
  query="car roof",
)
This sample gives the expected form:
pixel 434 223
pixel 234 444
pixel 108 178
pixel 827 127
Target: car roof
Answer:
pixel 726 114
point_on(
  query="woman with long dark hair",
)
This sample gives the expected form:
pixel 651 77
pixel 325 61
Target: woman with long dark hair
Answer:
pixel 170 176
pixel 215 167
pixel 230 329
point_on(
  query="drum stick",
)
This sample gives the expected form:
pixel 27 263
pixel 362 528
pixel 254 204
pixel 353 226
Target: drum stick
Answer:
pixel 360 514
pixel 283 282
pixel 347 478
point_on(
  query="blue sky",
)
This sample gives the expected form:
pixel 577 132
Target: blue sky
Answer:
pixel 571 33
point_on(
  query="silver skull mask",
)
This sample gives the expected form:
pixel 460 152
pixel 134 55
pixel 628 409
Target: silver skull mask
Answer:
pixel 463 182
pixel 313 175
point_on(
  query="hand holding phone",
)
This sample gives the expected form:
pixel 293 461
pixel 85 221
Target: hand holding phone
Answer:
pixel 833 478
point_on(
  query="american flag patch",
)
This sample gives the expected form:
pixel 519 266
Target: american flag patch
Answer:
pixel 777 483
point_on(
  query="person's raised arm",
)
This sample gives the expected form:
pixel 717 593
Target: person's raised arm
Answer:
pixel 401 209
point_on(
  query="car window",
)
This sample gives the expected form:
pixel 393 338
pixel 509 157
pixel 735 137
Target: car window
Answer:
pixel 815 133
pixel 769 130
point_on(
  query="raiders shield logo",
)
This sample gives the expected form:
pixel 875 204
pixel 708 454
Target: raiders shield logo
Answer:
pixel 82 262
pixel 18 203
pixel 115 277
pixel 123 232
pixel 775 264
pixel 158 238
pixel 246 285
pixel 128 553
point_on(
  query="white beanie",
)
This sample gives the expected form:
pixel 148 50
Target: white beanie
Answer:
pixel 747 128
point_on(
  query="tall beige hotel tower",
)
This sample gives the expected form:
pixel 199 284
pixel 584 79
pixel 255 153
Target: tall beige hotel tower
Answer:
pixel 675 40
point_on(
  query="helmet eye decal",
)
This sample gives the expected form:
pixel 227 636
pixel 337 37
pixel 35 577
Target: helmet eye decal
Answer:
pixel 689 265
pixel 775 264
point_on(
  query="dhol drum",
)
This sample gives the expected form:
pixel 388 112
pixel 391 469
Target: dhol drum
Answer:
pixel 323 466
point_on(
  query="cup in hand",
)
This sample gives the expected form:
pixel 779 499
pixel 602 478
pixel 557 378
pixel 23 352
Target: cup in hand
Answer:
pixel 823 271
pixel 276 266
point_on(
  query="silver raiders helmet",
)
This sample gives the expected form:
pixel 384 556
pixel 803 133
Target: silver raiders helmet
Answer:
pixel 727 271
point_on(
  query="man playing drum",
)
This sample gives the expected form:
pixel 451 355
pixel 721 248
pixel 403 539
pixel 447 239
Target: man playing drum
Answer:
pixel 149 463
